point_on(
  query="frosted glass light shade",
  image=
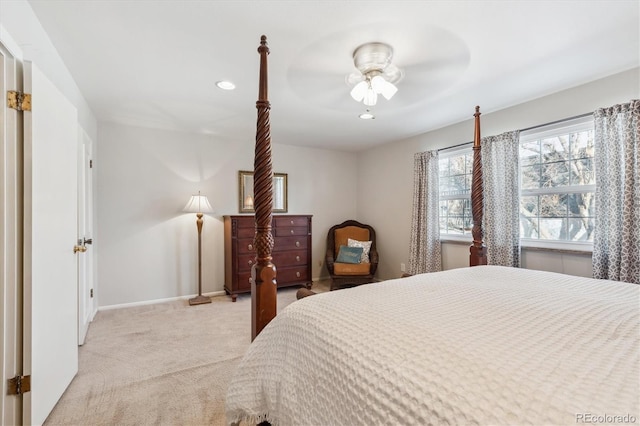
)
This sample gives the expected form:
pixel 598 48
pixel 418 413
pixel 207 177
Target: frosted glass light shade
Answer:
pixel 367 91
pixel 383 87
pixel 370 97
pixel 198 204
pixel 359 90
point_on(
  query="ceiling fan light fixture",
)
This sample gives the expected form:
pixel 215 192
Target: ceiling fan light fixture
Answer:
pixel 377 75
pixel 383 87
pixel 388 90
pixel 370 97
pixel 359 90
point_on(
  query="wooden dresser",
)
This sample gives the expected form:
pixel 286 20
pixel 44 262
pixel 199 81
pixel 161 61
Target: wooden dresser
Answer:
pixel 291 251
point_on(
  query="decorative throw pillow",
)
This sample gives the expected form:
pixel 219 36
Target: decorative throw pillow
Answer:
pixel 366 246
pixel 349 254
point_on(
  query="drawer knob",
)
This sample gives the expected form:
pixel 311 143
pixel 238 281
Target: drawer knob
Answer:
pixel 292 232
pixel 298 274
pixel 297 258
pixel 297 243
pixel 292 224
pixel 250 246
pixel 250 262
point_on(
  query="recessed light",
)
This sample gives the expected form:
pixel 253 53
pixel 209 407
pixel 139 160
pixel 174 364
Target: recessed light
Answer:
pixel 367 116
pixel 225 85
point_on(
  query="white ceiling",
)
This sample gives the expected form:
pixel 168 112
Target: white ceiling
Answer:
pixel 155 63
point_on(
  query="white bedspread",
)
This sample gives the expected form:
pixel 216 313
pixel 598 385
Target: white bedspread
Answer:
pixel 485 345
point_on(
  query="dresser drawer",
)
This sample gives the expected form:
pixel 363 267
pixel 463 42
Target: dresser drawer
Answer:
pixel 295 274
pixel 246 261
pixel 246 245
pixel 245 233
pixel 289 231
pixel 290 258
pixel 246 222
pixel 244 282
pixel 290 243
pixel 297 221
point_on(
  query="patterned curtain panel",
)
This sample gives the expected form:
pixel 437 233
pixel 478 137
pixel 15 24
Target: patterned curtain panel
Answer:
pixel 616 242
pixel 501 218
pixel 425 252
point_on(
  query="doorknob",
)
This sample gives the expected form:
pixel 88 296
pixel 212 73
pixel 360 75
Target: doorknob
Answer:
pixel 80 249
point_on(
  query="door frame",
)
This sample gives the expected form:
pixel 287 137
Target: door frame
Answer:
pixel 86 304
pixel 11 252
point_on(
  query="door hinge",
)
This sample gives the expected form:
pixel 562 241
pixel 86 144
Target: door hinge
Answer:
pixel 91 293
pixel 19 385
pixel 18 100
pixel 91 164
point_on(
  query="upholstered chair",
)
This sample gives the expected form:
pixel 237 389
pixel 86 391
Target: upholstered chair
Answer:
pixel 351 274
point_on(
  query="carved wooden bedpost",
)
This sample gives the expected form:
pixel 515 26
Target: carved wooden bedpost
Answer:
pixel 478 249
pixel 263 272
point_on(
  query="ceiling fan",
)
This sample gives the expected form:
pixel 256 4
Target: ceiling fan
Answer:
pixel 376 74
pixel 323 73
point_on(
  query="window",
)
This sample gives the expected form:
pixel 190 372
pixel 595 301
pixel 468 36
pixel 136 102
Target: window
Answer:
pixel 557 187
pixel 455 169
pixel 557 182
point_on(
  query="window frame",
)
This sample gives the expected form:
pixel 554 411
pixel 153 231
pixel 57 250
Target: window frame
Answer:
pixel 448 153
pixel 569 126
pixel 539 132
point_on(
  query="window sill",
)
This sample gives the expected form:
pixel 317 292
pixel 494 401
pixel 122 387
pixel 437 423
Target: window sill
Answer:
pixel 585 249
pixel 557 246
pixel 456 239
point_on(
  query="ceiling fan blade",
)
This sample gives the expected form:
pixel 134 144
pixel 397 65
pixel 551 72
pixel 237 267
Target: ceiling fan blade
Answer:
pixel 354 78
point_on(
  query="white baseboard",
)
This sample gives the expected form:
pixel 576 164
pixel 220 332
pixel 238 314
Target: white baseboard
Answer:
pixel 153 302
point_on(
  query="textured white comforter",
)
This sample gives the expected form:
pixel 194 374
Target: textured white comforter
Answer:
pixel 485 345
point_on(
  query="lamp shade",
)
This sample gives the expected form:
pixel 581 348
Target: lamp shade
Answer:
pixel 198 204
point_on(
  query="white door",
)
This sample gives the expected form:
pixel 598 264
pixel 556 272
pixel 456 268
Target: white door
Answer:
pixel 10 238
pixel 85 235
pixel 50 326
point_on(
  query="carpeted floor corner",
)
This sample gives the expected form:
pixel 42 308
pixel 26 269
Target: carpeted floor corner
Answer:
pixel 162 364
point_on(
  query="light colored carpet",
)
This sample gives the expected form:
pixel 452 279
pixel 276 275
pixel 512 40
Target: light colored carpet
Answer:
pixel 163 364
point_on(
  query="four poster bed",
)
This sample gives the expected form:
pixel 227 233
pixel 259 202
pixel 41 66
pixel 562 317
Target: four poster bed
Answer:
pixel 481 345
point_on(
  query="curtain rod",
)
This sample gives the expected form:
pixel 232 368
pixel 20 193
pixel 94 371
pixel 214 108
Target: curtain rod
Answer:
pixel 454 146
pixel 527 129
pixel 557 121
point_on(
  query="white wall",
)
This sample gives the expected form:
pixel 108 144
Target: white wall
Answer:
pixel 385 181
pixel 148 245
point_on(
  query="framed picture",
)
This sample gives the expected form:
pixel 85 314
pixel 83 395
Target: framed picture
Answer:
pixel 245 190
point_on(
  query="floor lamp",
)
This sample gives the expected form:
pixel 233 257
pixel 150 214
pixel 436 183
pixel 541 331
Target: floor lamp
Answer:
pixel 199 204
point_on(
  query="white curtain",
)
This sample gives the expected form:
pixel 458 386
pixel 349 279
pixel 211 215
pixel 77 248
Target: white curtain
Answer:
pixel 616 243
pixel 501 220
pixel 425 251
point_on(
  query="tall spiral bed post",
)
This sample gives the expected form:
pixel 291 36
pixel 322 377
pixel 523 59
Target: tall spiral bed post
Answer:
pixel 478 249
pixel 263 272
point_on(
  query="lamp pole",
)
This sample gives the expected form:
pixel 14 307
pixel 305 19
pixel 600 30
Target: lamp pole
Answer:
pixel 199 299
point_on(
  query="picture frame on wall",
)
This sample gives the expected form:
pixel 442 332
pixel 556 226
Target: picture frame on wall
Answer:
pixel 246 196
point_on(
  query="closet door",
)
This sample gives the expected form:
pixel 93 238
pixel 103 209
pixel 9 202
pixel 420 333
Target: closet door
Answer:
pixel 50 236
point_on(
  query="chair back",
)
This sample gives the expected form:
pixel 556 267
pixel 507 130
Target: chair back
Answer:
pixel 342 235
